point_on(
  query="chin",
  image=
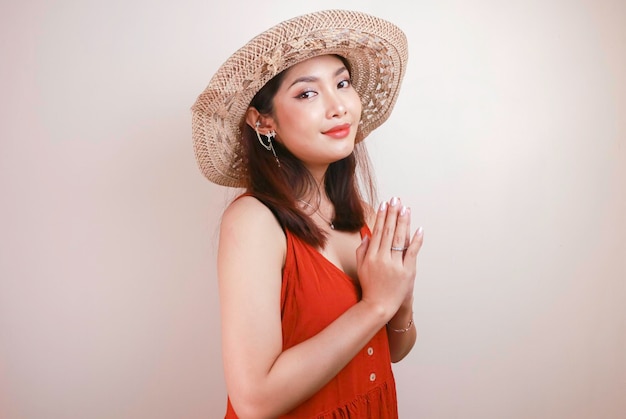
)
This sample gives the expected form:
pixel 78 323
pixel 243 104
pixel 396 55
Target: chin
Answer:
pixel 345 153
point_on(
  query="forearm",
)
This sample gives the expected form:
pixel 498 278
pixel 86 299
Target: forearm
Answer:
pixel 401 332
pixel 304 369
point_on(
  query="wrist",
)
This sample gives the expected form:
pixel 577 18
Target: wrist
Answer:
pixel 379 311
pixel 402 320
pixel 408 327
pixel 407 304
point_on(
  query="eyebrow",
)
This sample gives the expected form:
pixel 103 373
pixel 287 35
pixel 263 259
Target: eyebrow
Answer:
pixel 309 79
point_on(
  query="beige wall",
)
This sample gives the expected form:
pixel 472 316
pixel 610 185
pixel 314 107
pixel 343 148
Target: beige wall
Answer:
pixel 508 141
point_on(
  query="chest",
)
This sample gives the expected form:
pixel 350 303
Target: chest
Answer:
pixel 315 289
pixel 340 250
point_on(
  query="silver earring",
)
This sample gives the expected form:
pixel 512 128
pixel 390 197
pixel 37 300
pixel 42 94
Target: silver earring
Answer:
pixel 269 146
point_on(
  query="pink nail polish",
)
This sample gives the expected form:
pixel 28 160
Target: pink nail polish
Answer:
pixel 383 206
pixel 403 210
pixel 394 201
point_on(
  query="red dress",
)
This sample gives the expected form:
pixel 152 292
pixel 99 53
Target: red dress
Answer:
pixel 314 293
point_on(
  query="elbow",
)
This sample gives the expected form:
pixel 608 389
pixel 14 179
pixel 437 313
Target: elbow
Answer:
pixel 399 356
pixel 249 406
pixel 399 351
pixel 248 412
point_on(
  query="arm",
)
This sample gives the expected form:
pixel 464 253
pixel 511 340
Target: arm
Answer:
pixel 401 341
pixel 263 380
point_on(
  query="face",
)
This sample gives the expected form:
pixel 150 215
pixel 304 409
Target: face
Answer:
pixel 317 112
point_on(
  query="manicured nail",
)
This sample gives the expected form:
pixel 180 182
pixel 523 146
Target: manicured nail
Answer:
pixel 404 210
pixel 383 206
pixel 394 201
pixel 420 231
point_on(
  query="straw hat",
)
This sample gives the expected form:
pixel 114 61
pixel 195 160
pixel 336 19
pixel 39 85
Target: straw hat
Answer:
pixel 377 53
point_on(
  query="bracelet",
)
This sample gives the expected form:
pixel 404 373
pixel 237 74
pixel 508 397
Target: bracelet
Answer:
pixel 408 327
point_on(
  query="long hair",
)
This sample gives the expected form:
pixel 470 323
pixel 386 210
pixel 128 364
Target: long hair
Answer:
pixel 279 188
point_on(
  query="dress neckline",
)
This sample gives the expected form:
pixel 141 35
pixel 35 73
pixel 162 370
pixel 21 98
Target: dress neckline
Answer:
pixel 354 282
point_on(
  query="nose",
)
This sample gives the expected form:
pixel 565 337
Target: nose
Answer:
pixel 335 105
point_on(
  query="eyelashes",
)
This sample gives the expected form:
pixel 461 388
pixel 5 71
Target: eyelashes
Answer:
pixel 308 94
pixel 345 83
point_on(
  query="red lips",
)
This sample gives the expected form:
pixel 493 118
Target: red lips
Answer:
pixel 338 131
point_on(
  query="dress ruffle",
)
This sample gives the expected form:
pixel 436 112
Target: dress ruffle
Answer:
pixel 379 402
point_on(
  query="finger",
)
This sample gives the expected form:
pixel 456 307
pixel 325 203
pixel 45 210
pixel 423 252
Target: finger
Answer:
pixel 362 250
pixel 415 246
pixel 389 229
pixel 401 235
pixel 407 237
pixel 379 224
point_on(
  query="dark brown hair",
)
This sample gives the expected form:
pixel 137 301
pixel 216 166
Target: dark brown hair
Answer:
pixel 279 188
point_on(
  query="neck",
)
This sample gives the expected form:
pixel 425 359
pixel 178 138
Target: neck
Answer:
pixel 319 174
pixel 317 204
pixel 327 217
pixel 316 195
pixel 315 192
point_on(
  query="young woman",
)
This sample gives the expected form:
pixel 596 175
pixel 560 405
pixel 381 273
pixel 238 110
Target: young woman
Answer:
pixel 316 286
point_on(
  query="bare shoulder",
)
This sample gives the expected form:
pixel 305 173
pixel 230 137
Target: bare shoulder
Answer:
pixel 248 224
pixel 249 212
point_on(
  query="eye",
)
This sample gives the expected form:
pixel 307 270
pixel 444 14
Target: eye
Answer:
pixel 307 95
pixel 344 83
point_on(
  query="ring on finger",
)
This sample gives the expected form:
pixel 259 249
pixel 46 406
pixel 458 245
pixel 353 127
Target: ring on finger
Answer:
pixel 398 249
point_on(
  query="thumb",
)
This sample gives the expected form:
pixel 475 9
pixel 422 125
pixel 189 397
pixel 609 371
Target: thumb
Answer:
pixel 362 250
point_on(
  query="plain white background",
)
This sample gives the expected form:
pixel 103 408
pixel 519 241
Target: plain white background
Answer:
pixel 508 141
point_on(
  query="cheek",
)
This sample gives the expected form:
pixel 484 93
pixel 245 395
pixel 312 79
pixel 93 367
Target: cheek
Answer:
pixel 356 104
pixel 298 119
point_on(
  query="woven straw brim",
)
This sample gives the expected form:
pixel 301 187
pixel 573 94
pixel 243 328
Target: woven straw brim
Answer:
pixel 377 53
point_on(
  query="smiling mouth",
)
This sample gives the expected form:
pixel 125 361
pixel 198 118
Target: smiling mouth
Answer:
pixel 340 131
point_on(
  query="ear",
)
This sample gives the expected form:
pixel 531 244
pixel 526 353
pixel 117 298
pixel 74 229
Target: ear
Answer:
pixel 265 122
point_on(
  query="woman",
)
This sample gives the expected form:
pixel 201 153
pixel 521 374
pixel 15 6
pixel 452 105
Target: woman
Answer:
pixel 314 306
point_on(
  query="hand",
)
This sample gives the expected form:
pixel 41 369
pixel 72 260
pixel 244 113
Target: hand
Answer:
pixel 387 276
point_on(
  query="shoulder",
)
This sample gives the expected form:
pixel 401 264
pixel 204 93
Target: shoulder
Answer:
pixel 248 210
pixel 249 214
pixel 247 205
pixel 250 226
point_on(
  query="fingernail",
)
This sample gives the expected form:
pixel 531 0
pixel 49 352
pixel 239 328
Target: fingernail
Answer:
pixel 394 201
pixel 383 206
pixel 404 210
pixel 420 231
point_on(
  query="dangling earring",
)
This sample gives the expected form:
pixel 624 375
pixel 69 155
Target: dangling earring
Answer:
pixel 269 146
